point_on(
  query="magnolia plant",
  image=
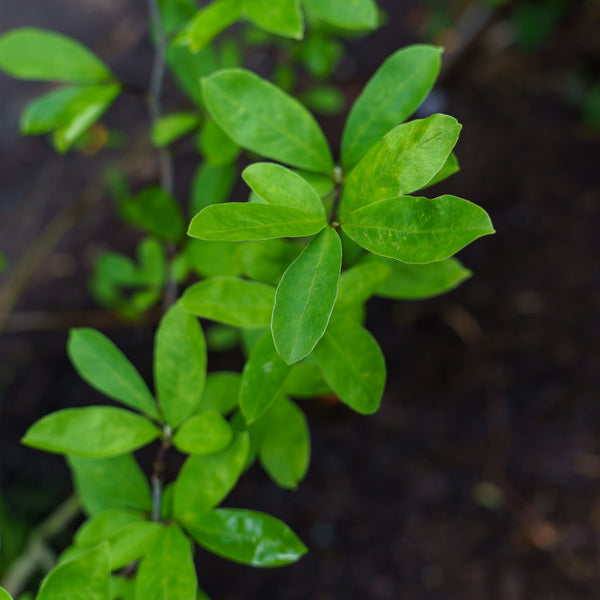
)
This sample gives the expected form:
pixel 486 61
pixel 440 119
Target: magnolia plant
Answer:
pixel 287 272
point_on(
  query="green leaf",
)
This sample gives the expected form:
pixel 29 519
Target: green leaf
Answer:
pixel 117 269
pixel 153 262
pixel 42 55
pixel 262 118
pixel 103 483
pixel 262 379
pixel 4 595
pixel 179 364
pixel 323 184
pixel 211 185
pixel 212 258
pixel 86 577
pixel 105 525
pixel 418 230
pixel 450 167
pixel 131 543
pixel 167 572
pixel 220 338
pixel 281 17
pixel 122 588
pixel 305 380
pixel 284 448
pixel 242 221
pixel 325 100
pixel 175 14
pixel 221 392
pixel 393 94
pixel 360 282
pixel 352 364
pixel 101 364
pixel 158 213
pixel 266 260
pixel 280 186
pixel 347 14
pixel 305 297
pixel 405 160
pixel 189 67
pixel 232 301
pixel 247 537
pixel 216 146
pixel 208 23
pixel 204 481
pixel 171 127
pixel 95 431
pixel 203 433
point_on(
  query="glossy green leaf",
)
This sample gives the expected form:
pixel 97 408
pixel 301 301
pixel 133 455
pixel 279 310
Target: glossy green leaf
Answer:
pixel 284 449
pixel 203 433
pixel 158 213
pixel 167 571
pixel 262 379
pixel 42 55
pixel 221 392
pixel 216 146
pixel 86 577
pixel 171 127
pixel 211 185
pixel 280 186
pixel 131 543
pixel 104 525
pixel 232 301
pixel 305 297
pixel 104 483
pixel 189 67
pixel 247 537
pixel 405 160
pixel 94 431
pixel 352 364
pixel 212 258
pixel 360 282
pixel 204 481
pixel 347 14
pixel 99 362
pixel 305 380
pixel 393 94
pixel 262 118
pixel 450 167
pixel 179 364
pixel 416 282
pixel 418 230
pixel 281 17
pixel 209 22
pixel 266 260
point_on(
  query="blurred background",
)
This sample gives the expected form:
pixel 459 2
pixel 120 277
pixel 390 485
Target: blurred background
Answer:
pixel 479 478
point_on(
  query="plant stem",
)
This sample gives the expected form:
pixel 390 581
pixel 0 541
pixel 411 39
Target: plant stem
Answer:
pixel 158 471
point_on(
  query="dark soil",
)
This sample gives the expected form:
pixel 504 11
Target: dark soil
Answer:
pixel 479 478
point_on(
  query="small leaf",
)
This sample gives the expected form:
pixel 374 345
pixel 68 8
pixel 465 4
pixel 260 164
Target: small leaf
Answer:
pixel 204 481
pixel 212 258
pixel 418 230
pixel 158 213
pixel 220 392
pixel 167 571
pixel 153 262
pixel 262 379
pixel 208 23
pixel 242 221
pixel 232 301
pixel 94 431
pixel 393 94
pixel 104 525
pixel 280 186
pixel 176 13
pixel 247 537
pixel 266 260
pixel 352 364
pixel 262 118
pixel 305 297
pixel 171 127
pixel 86 577
pixel 189 67
pixel 211 185
pixel 325 100
pixel 360 282
pixel 281 17
pixel 42 55
pixel 405 160
pixel 347 14
pixel 104 483
pixel 179 364
pixel 101 364
pixel 216 146
pixel 204 433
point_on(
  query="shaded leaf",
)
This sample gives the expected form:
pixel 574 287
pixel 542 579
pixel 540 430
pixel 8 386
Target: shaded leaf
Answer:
pixel 211 185
pixel 450 167
pixel 220 392
pixel 305 380
pixel 347 14
pixel 157 212
pixel 104 525
pixel 216 146
pixel 266 260
pixel 281 17
pixel 189 67
pixel 203 433
pixel 170 128
pixel 212 258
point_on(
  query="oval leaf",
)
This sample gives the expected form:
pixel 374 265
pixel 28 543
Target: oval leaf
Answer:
pixel 247 537
pixel 179 364
pixel 262 118
pixel 203 434
pixel 393 94
pixel 352 364
pixel 281 17
pixel 42 55
pixel 99 362
pixel 347 14
pixel 171 127
pixel 305 297
pixel 96 431
pixel 418 230
pixel 232 301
